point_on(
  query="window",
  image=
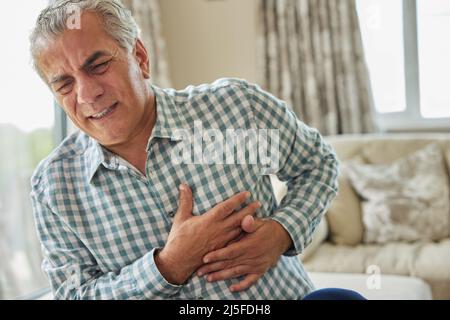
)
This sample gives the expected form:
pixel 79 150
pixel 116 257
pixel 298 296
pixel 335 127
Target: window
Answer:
pixel 407 58
pixel 382 24
pixel 434 52
pixel 27 122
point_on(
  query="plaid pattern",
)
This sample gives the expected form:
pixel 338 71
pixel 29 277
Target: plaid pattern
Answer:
pixel 99 220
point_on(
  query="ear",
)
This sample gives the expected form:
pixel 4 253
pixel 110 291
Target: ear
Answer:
pixel 141 55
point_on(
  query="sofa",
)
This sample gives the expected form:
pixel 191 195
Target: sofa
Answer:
pixel 338 254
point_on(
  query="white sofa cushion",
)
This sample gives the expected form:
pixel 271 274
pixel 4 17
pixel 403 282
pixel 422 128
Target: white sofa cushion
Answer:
pixel 429 261
pixel 386 287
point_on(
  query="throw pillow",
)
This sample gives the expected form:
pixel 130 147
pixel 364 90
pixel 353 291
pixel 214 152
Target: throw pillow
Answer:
pixel 407 200
pixel 344 215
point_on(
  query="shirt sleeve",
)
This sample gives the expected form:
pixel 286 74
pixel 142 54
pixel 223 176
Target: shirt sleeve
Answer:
pixel 73 272
pixel 305 161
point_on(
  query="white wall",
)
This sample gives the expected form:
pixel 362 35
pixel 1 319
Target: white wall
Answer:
pixel 210 39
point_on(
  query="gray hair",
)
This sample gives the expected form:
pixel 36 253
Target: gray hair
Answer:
pixel 53 21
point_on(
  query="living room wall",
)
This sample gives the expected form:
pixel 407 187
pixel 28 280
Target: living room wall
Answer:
pixel 210 39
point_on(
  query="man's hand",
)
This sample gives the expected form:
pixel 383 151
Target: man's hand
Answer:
pixel 191 237
pixel 251 256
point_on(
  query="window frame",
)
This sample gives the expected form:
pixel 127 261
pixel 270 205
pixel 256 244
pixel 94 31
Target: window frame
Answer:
pixel 410 119
pixel 60 132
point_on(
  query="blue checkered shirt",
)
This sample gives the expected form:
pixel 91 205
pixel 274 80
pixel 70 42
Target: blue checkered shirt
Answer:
pixel 100 220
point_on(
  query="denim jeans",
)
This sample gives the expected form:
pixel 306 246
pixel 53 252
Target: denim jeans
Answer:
pixel 334 294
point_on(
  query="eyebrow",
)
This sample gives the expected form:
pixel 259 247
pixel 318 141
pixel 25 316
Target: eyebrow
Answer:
pixel 91 59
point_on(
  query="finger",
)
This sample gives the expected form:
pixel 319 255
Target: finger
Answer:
pixel 239 236
pixel 230 273
pixel 249 210
pixel 213 267
pixel 225 208
pixel 232 251
pixel 233 235
pixel 185 203
pixel 248 281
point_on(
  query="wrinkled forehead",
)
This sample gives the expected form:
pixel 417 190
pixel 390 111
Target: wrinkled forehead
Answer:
pixel 73 47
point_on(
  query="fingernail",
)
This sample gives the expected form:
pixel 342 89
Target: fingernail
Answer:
pixel 247 195
pixel 206 260
pixel 199 274
pixel 209 278
pixel 182 187
pixel 258 204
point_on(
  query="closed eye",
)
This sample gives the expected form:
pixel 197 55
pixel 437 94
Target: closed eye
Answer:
pixel 100 68
pixel 65 88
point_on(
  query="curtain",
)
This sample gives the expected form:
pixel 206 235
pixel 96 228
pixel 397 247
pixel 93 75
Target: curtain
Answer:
pixel 310 54
pixel 147 16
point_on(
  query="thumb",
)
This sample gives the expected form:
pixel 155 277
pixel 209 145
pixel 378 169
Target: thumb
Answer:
pixel 248 224
pixel 185 205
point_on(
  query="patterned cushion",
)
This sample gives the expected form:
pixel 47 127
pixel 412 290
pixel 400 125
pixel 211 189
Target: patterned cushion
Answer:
pixel 407 200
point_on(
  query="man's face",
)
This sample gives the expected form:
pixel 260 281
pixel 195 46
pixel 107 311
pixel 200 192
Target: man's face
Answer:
pixel 100 85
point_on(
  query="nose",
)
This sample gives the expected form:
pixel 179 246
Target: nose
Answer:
pixel 89 90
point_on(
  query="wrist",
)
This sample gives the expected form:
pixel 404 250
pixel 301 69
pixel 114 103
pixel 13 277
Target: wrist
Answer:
pixel 285 242
pixel 169 268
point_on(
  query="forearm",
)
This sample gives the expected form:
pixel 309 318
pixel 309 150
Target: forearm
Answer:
pixel 139 280
pixel 308 196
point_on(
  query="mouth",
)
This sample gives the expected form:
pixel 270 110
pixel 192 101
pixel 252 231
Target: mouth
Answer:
pixel 105 113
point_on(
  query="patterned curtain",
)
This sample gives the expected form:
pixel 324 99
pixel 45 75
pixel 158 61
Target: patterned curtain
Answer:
pixel 310 54
pixel 147 15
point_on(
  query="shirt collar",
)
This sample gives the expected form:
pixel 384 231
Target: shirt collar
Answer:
pixel 167 121
pixel 96 156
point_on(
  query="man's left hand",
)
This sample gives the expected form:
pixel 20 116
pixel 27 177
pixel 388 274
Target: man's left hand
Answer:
pixel 251 256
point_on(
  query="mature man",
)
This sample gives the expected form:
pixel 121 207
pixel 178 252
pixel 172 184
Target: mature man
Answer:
pixel 119 218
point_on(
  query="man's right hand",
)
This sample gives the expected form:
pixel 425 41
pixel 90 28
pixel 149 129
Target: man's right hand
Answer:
pixel 191 237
